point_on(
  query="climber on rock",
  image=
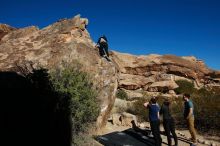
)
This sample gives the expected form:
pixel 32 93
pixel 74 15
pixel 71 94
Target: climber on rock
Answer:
pixel 102 44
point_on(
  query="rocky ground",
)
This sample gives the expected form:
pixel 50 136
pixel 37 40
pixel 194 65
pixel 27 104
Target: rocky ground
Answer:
pixel 113 135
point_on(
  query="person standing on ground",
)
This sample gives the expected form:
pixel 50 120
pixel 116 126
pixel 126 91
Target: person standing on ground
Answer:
pixel 154 119
pixel 168 122
pixel 189 116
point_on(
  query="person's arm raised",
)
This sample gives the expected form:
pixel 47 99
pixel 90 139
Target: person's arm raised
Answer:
pixel 146 104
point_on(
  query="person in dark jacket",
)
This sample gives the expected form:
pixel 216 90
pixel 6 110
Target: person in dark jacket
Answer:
pixel 168 122
pixel 102 44
pixel 154 119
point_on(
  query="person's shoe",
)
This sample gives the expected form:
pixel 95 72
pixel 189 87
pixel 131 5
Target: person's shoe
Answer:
pixel 107 58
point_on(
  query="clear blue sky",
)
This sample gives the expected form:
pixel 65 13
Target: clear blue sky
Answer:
pixel 180 27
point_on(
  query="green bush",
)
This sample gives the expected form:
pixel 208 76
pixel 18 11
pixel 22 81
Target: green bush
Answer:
pixel 206 104
pixel 77 91
pixel 122 94
pixel 207 114
pixel 177 108
pixel 206 109
pixel 184 87
pixel 139 110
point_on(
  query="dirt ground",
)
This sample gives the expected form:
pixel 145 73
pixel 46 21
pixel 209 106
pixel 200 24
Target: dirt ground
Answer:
pixel 113 135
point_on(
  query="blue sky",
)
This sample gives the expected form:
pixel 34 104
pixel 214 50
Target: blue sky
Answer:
pixel 180 27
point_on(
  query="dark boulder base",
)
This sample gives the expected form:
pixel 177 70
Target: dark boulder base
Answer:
pixel 30 113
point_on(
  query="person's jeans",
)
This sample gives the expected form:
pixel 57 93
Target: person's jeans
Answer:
pixel 169 127
pixel 192 130
pixel 155 127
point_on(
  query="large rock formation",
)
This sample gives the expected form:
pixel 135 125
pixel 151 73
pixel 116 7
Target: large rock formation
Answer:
pixel 65 41
pixel 153 73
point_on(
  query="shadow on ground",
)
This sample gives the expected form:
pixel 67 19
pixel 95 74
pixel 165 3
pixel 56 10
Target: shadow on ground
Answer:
pixel 133 137
pixel 31 112
pixel 127 137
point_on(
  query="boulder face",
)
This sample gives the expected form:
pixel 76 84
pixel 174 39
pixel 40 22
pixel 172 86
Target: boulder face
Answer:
pixel 158 73
pixel 162 86
pixel 66 41
pixel 5 29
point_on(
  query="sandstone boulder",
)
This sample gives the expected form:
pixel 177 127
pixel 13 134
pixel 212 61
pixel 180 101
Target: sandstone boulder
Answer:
pixel 163 86
pixel 132 82
pixel 134 93
pixel 5 29
pixel 64 42
pixel 144 125
pixel 116 119
pixel 172 92
pixel 185 67
pixel 128 119
pixel 124 119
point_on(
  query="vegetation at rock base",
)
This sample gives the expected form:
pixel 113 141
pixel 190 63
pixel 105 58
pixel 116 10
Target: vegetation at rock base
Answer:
pixel 184 87
pixel 121 94
pixel 76 90
pixel 206 108
pixel 139 110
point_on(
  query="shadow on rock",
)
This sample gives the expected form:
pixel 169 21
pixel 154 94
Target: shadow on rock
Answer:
pixel 31 113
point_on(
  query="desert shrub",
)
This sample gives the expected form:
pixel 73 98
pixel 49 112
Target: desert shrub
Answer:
pixel 121 94
pixel 146 94
pixel 206 110
pixel 176 109
pixel 76 90
pixel 207 113
pixel 184 87
pixel 206 104
pixel 139 110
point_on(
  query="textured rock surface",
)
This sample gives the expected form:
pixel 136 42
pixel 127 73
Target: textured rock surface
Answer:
pixel 156 72
pixel 62 42
pixel 5 29
pixel 128 119
pixel 163 85
pixel 124 119
pixel 68 41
